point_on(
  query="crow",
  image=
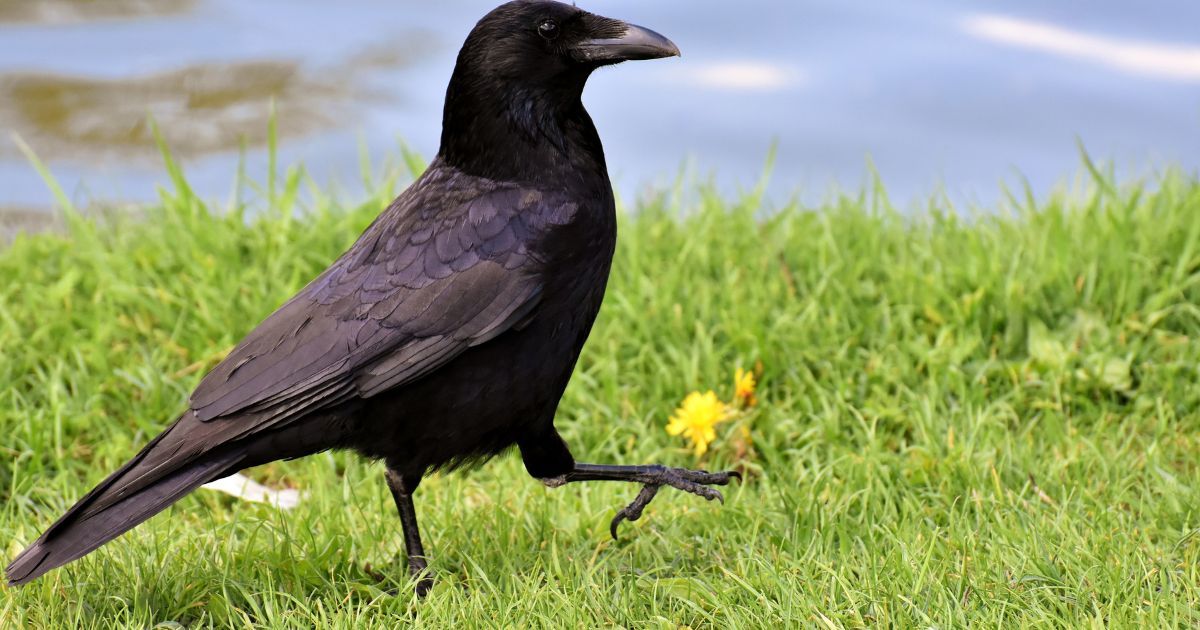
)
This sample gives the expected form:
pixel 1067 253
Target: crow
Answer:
pixel 448 331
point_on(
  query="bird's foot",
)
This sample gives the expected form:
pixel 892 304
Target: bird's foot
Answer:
pixel 418 568
pixel 696 482
pixel 419 572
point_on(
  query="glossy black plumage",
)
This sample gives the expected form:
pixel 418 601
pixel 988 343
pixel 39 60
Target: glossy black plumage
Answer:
pixel 448 331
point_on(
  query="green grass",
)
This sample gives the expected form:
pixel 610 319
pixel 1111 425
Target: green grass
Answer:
pixel 987 420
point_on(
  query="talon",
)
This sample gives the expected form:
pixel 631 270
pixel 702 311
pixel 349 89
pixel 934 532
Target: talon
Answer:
pixel 633 511
pixel 735 473
pixel 612 528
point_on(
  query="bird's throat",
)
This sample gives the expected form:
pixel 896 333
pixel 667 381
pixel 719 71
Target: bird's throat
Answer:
pixel 521 134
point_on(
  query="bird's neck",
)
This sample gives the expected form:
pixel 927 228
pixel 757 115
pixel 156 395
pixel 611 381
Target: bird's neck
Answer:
pixel 530 135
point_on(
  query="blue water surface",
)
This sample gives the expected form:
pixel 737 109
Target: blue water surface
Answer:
pixel 926 88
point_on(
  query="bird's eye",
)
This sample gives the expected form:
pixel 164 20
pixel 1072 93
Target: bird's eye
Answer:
pixel 548 29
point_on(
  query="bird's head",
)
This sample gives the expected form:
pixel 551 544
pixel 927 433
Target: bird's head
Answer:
pixel 522 70
pixel 528 42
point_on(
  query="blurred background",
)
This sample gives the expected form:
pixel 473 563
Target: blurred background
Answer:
pixel 941 96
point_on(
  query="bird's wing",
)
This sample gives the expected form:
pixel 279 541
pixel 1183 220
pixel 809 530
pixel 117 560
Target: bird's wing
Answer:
pixel 448 266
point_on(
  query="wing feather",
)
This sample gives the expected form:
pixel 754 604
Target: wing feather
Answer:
pixel 446 267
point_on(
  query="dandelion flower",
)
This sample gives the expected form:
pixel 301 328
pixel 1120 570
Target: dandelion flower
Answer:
pixel 744 384
pixel 696 417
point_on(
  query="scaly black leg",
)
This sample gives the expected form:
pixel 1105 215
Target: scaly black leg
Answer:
pixel 652 477
pixel 402 490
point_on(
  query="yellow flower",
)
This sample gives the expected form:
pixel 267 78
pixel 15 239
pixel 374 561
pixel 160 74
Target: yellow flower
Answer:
pixel 696 418
pixel 744 384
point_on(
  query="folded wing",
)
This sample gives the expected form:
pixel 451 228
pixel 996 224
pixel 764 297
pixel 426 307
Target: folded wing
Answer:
pixel 436 274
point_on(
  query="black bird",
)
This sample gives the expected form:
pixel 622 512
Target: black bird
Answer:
pixel 447 333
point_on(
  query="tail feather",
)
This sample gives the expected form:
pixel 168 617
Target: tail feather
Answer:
pixel 143 487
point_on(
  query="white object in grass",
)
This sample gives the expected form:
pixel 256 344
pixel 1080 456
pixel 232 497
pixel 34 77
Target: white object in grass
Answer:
pixel 243 487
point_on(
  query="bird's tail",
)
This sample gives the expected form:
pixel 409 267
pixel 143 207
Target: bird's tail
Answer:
pixel 158 476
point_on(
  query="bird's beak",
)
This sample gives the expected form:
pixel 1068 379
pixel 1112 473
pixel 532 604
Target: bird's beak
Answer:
pixel 637 43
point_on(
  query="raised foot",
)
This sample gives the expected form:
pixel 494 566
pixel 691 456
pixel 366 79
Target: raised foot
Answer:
pixel 696 482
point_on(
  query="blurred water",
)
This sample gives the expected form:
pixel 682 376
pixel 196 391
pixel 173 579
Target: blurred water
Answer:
pixel 938 93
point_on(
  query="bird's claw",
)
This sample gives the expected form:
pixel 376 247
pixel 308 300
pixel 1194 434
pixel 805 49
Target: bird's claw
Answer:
pixel 633 511
pixel 424 585
pixel 693 481
pixel 418 569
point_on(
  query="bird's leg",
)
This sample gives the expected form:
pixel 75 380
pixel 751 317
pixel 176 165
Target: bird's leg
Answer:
pixel 402 489
pixel 652 478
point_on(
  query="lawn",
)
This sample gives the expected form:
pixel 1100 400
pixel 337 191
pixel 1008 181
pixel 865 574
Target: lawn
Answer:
pixel 984 418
